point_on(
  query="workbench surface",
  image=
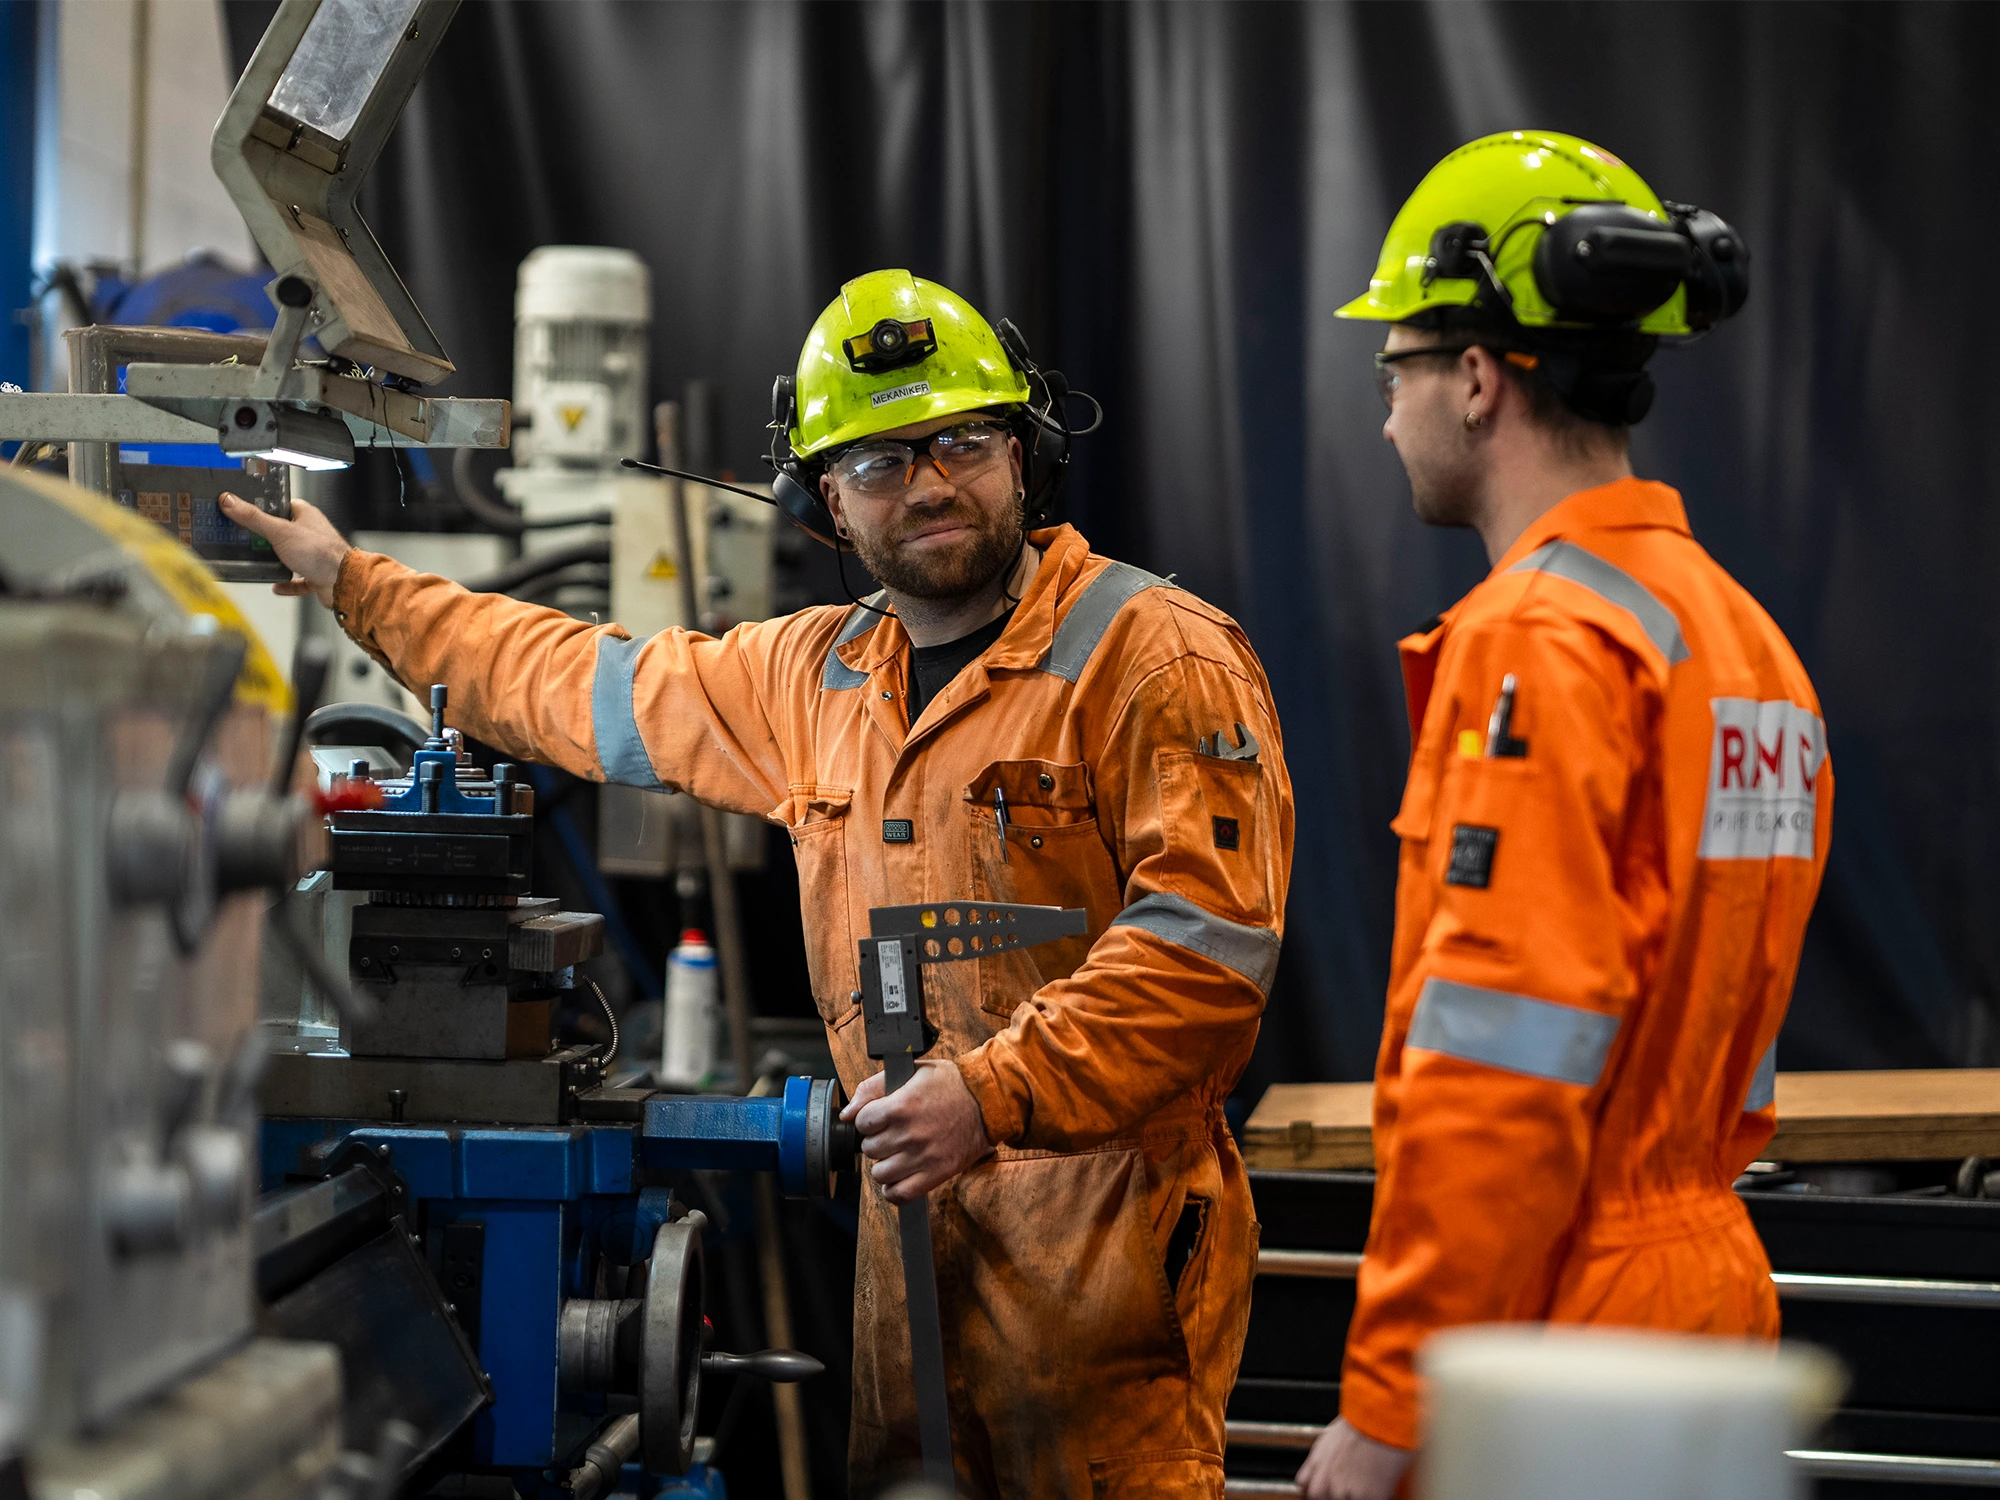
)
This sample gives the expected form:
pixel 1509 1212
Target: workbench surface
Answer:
pixel 1908 1115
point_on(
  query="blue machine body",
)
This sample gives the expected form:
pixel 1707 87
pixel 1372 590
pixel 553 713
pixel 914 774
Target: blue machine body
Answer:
pixel 553 1201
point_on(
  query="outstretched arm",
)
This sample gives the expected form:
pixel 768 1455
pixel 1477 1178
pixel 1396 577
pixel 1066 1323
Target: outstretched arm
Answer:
pixel 679 710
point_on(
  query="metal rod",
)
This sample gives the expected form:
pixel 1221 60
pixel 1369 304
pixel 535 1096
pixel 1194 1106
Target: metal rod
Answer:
pixel 913 1222
pixel 736 1001
pixel 1886 1290
pixel 1231 1487
pixel 1334 1265
pixel 1793 1286
pixel 139 138
pixel 1299 1435
pixel 1894 1468
pixel 1897 1468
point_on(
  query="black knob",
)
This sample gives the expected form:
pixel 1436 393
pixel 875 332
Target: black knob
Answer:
pixel 295 291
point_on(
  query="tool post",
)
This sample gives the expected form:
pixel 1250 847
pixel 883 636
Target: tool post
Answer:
pixel 903 940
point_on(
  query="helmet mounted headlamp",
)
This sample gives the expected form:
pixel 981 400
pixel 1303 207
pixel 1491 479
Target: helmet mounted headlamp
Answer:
pixel 890 345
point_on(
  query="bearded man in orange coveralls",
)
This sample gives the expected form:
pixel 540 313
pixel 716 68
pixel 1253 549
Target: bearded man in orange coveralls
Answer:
pixel 1617 810
pixel 1016 720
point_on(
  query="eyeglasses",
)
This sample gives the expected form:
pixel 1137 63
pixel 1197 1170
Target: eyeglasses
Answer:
pixel 1388 379
pixel 886 468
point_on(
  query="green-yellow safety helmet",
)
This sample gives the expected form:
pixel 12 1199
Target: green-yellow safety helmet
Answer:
pixel 1548 231
pixel 891 350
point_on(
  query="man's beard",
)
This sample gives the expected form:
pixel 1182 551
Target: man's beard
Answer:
pixel 945 573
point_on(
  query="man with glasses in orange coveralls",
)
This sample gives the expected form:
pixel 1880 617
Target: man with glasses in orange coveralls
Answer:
pixel 1014 719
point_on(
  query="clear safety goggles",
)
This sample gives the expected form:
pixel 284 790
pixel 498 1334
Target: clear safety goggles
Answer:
pixel 879 467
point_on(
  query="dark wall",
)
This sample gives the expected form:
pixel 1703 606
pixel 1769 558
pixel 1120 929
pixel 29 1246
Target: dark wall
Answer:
pixel 1172 199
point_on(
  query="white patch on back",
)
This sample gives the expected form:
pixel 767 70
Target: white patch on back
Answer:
pixel 1763 772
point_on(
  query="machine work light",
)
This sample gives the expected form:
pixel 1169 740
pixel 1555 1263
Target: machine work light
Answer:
pixel 287 435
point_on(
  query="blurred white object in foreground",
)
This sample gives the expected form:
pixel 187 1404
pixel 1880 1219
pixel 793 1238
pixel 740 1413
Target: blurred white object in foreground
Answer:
pixel 1528 1412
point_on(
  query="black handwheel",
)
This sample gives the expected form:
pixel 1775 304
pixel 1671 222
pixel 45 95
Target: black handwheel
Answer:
pixel 367 724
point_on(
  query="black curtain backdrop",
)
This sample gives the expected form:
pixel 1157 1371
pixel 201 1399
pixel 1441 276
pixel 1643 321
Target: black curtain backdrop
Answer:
pixel 1172 199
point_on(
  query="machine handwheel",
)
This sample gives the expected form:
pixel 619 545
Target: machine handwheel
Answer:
pixel 671 1347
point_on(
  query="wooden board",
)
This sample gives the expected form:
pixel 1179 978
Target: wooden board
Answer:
pixel 1908 1115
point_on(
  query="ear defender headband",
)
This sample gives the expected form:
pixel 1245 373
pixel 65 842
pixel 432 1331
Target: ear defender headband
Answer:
pixel 1604 266
pixel 1042 426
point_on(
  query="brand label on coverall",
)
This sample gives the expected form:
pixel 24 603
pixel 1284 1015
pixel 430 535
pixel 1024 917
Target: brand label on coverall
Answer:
pixel 1762 776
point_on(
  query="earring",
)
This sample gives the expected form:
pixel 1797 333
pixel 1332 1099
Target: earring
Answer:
pixel 1473 421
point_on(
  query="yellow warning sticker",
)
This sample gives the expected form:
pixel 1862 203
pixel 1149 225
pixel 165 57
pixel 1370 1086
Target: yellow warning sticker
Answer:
pixel 572 415
pixel 662 566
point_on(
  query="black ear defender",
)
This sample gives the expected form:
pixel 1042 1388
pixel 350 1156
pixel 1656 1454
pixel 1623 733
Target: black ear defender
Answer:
pixel 1718 280
pixel 1609 263
pixel 795 490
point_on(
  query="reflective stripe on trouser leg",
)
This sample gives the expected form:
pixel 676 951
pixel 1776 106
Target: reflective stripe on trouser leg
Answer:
pixel 1563 1043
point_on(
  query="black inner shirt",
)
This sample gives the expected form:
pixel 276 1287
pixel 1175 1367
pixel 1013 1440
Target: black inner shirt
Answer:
pixel 933 667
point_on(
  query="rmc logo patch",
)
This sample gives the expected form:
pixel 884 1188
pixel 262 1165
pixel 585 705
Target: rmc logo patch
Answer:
pixel 1762 777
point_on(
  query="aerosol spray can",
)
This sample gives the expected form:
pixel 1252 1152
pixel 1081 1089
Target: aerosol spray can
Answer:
pixel 687 1059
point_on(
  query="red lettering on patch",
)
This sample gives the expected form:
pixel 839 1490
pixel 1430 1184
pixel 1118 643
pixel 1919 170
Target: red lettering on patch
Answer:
pixel 1733 749
pixel 1771 760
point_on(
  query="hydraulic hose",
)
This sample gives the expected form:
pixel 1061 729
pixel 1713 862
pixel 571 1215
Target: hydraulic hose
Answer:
pixel 497 516
pixel 538 565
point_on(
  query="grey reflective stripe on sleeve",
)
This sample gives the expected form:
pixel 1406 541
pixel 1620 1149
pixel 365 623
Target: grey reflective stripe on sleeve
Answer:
pixel 1763 1082
pixel 1517 1032
pixel 620 749
pixel 839 674
pixel 1084 626
pixel 1250 951
pixel 1567 560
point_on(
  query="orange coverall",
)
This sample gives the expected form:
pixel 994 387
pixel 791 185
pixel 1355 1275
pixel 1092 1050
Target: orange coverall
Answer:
pixel 1596 936
pixel 1099 1063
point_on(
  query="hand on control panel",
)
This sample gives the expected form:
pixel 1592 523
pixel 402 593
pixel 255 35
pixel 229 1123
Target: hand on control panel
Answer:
pixel 307 544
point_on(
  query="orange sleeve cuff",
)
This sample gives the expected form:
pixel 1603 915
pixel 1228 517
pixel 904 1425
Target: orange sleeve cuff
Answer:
pixel 350 585
pixel 1005 1120
pixel 1378 1411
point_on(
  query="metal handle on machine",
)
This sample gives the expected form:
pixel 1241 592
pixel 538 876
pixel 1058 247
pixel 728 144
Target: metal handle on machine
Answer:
pixel 605 1459
pixel 778 1366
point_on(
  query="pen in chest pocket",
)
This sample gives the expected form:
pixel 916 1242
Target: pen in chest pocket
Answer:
pixel 1000 817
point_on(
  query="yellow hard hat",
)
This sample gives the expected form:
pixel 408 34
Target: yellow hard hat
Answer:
pixel 891 350
pixel 1549 231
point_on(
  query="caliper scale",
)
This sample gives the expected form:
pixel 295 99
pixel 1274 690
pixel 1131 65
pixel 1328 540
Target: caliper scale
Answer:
pixel 902 941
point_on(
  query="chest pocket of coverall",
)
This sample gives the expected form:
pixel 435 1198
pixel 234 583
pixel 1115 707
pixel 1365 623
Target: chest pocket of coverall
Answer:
pixel 1056 856
pixel 819 844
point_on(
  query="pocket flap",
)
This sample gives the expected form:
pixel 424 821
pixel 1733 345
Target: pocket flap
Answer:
pixel 1034 783
pixel 810 803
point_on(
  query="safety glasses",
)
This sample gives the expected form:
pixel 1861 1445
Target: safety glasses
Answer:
pixel 1388 379
pixel 878 467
